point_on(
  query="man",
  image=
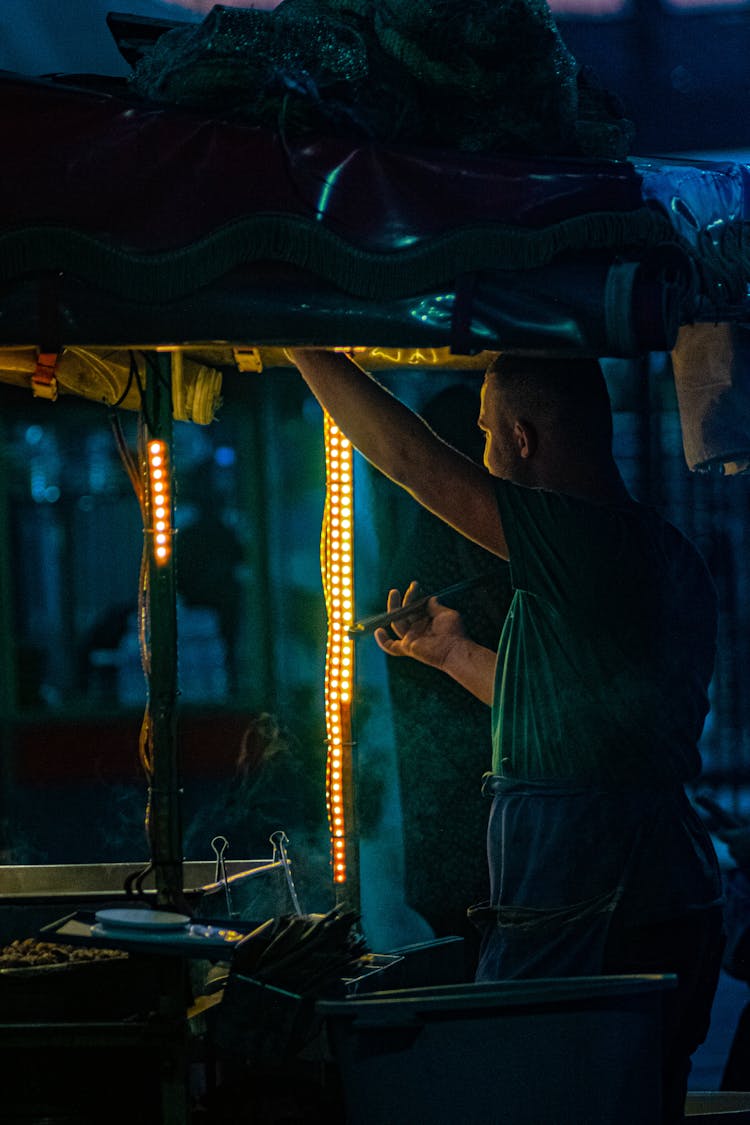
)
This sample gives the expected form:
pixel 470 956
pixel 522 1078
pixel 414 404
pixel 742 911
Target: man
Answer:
pixel 598 691
pixel 441 734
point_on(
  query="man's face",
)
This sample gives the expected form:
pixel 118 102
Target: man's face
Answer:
pixel 501 456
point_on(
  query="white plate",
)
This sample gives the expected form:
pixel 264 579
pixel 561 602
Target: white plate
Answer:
pixel 150 920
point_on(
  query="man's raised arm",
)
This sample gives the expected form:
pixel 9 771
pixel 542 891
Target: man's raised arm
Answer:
pixel 399 443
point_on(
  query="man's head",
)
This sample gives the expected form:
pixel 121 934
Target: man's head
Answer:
pixel 540 415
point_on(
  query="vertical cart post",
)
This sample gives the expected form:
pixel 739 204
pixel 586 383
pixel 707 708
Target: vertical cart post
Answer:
pixel 164 801
pixel 165 813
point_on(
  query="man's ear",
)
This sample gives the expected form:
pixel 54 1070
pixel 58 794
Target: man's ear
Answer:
pixel 525 437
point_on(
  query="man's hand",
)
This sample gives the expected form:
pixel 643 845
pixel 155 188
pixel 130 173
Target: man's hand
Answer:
pixel 428 637
pixel 435 636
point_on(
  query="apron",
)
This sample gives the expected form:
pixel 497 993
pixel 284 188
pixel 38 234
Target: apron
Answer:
pixel 562 857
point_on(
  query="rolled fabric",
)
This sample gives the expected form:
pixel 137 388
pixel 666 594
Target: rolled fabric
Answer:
pixel 618 309
pixel 109 377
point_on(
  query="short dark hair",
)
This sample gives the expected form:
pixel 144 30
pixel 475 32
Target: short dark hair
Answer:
pixel 564 392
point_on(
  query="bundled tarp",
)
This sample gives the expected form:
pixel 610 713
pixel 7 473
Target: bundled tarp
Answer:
pixel 172 225
pixel 482 76
pixel 230 194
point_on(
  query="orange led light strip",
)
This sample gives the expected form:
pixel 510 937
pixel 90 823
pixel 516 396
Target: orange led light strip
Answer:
pixel 161 500
pixel 338 584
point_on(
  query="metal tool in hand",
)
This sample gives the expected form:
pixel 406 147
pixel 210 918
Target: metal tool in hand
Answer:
pixel 416 607
pixel 219 845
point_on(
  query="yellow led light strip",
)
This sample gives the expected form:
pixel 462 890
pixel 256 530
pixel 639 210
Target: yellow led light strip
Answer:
pixel 161 501
pixel 338 585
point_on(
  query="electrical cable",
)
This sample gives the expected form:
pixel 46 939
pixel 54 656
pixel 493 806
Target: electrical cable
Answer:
pixel 142 390
pixel 130 380
pixel 128 461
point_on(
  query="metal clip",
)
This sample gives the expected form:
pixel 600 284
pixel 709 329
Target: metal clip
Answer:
pixel 220 845
pixel 279 839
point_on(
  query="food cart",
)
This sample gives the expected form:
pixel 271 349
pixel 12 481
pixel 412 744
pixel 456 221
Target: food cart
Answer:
pixel 144 245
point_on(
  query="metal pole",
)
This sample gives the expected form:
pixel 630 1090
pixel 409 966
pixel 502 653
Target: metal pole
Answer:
pixel 8 662
pixel 165 812
pixel 165 805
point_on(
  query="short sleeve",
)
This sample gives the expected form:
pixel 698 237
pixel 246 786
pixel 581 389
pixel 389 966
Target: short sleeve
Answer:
pixel 563 548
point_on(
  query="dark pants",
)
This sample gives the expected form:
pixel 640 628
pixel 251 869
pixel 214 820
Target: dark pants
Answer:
pixel 690 946
pixel 736 1074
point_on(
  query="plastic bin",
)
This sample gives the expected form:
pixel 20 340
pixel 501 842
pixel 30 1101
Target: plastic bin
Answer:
pixel 573 1051
pixel 718 1107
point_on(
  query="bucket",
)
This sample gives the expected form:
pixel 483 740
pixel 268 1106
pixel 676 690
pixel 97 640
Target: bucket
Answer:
pixel 573 1051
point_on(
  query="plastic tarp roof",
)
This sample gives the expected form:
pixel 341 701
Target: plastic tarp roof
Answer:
pixel 125 223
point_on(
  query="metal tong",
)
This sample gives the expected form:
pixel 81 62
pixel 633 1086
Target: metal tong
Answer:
pixel 381 620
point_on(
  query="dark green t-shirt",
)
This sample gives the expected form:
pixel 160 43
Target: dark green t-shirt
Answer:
pixel 608 647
